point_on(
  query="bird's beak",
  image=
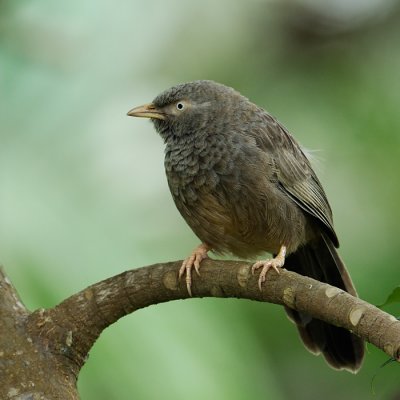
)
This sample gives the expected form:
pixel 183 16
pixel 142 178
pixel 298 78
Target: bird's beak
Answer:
pixel 147 111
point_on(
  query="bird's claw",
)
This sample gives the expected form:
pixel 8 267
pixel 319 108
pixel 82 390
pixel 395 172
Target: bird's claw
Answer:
pixel 276 263
pixel 193 261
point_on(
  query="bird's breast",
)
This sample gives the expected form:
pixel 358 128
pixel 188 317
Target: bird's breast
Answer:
pixel 197 165
pixel 226 194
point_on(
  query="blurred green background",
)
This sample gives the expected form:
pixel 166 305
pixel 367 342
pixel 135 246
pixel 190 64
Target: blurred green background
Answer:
pixel 83 194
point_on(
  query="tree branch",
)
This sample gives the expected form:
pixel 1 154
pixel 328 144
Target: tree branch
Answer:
pixel 67 332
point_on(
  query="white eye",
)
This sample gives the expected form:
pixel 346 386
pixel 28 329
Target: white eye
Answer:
pixel 180 106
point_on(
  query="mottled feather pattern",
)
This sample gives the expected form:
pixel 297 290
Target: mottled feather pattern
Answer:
pixel 212 188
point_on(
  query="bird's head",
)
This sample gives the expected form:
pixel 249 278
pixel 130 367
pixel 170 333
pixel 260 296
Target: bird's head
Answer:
pixel 193 107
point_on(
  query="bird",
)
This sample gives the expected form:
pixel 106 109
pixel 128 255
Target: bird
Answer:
pixel 245 187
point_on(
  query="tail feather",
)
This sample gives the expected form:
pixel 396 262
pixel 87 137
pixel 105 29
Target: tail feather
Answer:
pixel 320 260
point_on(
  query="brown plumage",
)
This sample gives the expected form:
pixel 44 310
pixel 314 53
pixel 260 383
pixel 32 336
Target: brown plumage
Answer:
pixel 245 187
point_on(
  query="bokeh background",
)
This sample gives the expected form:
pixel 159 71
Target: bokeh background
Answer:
pixel 83 194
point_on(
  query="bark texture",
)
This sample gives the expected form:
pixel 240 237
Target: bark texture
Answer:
pixel 42 352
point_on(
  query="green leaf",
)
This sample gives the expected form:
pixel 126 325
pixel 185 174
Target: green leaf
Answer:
pixel 394 297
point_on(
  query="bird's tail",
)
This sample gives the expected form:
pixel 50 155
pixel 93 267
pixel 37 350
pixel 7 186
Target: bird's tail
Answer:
pixel 320 260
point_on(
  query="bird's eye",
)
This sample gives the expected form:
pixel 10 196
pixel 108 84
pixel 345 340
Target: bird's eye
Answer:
pixel 180 106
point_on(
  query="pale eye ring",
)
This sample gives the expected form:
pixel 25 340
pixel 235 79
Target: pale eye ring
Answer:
pixel 180 106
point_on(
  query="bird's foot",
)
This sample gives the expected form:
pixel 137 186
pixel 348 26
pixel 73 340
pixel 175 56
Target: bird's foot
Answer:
pixel 275 263
pixel 193 261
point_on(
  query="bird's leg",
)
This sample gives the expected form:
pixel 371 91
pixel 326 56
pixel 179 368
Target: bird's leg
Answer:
pixel 275 263
pixel 193 261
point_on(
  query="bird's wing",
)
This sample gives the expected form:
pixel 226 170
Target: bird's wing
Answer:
pixel 293 172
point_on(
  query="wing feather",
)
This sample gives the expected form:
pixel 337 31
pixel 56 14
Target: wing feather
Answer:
pixel 293 172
